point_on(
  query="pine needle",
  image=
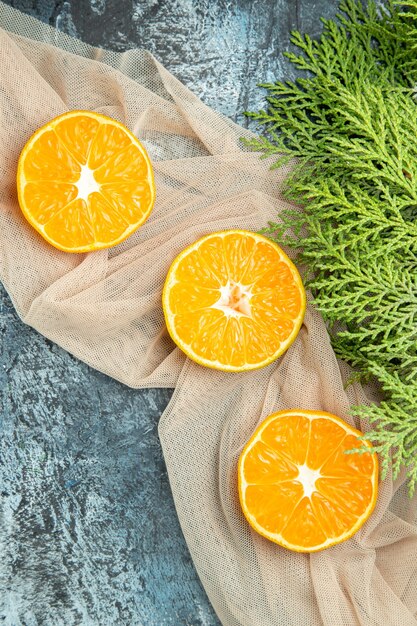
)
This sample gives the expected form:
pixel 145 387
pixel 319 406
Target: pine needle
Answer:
pixel 350 120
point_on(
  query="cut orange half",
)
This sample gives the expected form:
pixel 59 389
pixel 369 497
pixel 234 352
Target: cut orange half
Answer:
pixel 84 182
pixel 299 488
pixel 233 301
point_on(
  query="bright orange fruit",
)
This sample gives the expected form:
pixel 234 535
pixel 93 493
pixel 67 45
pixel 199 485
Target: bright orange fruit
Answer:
pixel 299 488
pixel 233 301
pixel 85 182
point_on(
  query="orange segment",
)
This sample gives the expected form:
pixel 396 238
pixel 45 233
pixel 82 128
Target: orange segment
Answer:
pixel 231 350
pixel 291 436
pixel 189 298
pixel 265 259
pixel 286 302
pixel 279 275
pixel 212 253
pixel 129 198
pixel 333 519
pixel 190 325
pixel 125 166
pixel 49 161
pixel 325 437
pixel 298 488
pixel 264 465
pixel 205 345
pixel 77 134
pixel 276 503
pixel 238 251
pixel 303 517
pixel 71 225
pixel 341 464
pixel 86 167
pixel 47 198
pixel 347 493
pixel 219 273
pixel 108 223
pixel 109 140
pixel 256 341
pixel 194 270
pixel 272 324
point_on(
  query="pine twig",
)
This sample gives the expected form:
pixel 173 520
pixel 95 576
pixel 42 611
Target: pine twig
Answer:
pixel 350 120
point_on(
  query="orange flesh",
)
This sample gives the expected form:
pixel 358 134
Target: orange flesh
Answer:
pixel 297 485
pixel 85 182
pixel 234 300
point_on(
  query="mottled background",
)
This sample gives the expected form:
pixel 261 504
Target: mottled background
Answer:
pixel 88 530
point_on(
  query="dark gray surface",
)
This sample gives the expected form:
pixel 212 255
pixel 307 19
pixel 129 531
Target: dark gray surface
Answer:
pixel 89 532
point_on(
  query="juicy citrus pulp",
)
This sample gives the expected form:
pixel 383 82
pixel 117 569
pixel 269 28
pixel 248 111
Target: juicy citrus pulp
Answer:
pixel 233 301
pixel 85 182
pixel 299 488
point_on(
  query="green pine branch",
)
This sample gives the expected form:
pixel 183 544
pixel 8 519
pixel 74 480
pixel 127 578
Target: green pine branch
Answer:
pixel 350 121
